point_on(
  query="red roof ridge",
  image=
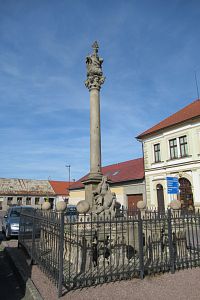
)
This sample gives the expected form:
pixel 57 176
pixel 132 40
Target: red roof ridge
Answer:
pixel 188 112
pixel 123 162
pixel 128 170
pixel 60 187
pixel 60 181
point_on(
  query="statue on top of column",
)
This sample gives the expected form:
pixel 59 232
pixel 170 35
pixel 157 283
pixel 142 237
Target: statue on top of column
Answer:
pixel 94 63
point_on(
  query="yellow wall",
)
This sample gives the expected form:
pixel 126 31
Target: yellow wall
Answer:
pixel 77 195
pixel 117 190
pixel 120 191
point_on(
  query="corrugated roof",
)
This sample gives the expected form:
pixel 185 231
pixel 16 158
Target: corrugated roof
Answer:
pixel 60 187
pixel 190 111
pixel 31 187
pixel 120 172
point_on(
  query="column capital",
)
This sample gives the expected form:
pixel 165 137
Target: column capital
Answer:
pixel 94 63
pixel 94 82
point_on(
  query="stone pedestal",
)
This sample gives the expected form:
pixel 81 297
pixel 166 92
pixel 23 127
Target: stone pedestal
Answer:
pixel 91 185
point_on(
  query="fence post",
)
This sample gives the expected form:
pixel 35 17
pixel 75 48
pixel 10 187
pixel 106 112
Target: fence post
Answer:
pixel 140 240
pixel 20 234
pixel 171 246
pixel 61 250
pixel 33 238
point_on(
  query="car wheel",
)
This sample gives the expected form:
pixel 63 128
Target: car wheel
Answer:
pixel 7 234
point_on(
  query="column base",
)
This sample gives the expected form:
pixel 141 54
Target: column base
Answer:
pixel 91 184
pixel 94 177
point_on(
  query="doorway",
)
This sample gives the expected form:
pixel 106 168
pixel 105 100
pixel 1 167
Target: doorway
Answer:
pixel 160 198
pixel 186 194
pixel 132 202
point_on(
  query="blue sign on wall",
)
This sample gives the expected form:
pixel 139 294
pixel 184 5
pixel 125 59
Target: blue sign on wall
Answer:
pixel 172 185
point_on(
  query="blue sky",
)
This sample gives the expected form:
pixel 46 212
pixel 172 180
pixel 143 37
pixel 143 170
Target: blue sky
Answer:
pixel 150 50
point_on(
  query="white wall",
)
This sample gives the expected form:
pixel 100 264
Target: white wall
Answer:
pixel 188 167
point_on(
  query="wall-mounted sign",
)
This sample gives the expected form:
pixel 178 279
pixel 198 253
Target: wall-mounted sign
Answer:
pixel 172 185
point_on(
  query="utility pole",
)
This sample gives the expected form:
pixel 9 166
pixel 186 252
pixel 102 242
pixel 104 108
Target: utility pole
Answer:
pixel 68 166
pixel 69 170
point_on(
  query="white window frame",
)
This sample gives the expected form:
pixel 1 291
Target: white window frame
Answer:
pixel 178 146
pixel 154 153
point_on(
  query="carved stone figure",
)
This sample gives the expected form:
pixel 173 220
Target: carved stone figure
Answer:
pixel 94 62
pixel 104 199
pixel 94 69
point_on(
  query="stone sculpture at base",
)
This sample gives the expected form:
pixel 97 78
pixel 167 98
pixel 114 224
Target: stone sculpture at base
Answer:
pixel 104 201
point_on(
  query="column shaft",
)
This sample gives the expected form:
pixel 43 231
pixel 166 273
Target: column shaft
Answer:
pixel 95 133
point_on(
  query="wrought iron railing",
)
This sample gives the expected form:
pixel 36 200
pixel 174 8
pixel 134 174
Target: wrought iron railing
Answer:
pixel 83 250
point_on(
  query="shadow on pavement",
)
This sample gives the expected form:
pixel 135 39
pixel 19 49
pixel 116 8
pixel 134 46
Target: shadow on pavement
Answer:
pixel 14 271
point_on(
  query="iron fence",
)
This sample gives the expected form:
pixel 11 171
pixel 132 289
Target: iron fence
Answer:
pixel 82 250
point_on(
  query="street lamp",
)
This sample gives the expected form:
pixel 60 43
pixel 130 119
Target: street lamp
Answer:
pixel 69 168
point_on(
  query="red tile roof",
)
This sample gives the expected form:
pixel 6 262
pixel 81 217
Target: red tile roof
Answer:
pixel 60 187
pixel 189 112
pixel 121 172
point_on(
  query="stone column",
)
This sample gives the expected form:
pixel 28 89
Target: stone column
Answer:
pixel 94 81
pixel 95 134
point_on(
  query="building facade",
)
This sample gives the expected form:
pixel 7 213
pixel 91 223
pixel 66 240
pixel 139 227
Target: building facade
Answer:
pixel 126 181
pixel 30 192
pixel 171 150
pixel 61 190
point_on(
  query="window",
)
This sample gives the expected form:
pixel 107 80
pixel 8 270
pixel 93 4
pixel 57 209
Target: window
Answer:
pixel 37 200
pixel 173 148
pixel 183 146
pixel 157 152
pixel 28 200
pixel 19 200
pixel 178 147
pixel 9 200
pixel 115 173
pixel 51 201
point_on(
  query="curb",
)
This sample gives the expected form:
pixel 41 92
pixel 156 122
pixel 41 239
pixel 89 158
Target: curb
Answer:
pixel 27 284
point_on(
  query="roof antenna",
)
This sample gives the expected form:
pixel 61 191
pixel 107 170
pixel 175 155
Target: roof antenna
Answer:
pixel 195 74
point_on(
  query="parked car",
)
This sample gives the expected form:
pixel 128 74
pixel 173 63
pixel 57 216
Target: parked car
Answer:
pixel 10 223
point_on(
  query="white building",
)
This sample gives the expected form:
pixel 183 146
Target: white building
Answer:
pixel 171 148
pixel 61 190
pixel 14 191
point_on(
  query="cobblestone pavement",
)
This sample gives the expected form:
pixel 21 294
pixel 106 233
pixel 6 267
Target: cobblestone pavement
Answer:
pixel 183 285
pixel 9 286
